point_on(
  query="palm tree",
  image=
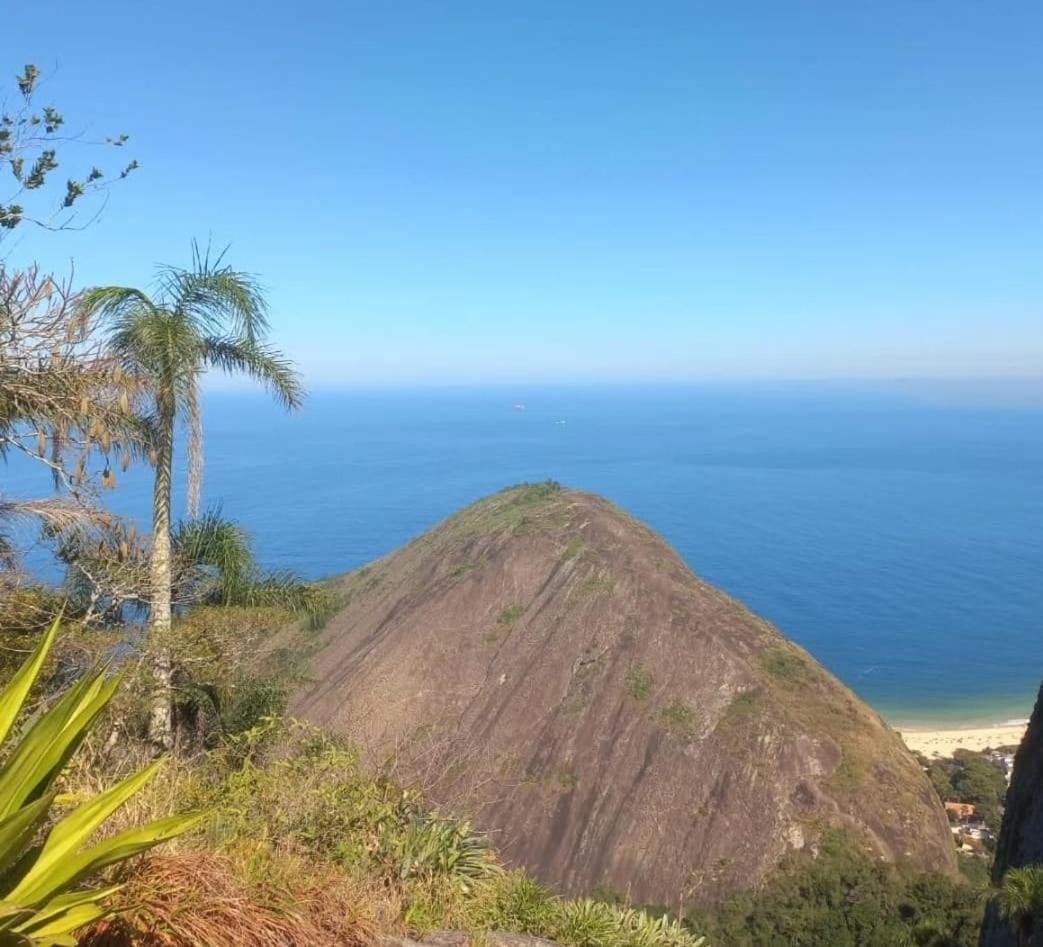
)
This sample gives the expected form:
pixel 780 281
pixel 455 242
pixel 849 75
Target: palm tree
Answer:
pixel 1021 900
pixel 206 316
pixel 216 553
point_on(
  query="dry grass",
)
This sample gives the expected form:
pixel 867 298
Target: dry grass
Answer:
pixel 197 899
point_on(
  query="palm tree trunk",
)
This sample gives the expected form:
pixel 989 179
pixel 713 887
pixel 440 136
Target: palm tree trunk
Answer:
pixel 161 720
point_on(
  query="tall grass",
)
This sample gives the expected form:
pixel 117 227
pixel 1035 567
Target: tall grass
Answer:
pixel 301 832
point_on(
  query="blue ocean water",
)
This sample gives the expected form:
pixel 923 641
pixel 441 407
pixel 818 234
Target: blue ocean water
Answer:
pixel 896 537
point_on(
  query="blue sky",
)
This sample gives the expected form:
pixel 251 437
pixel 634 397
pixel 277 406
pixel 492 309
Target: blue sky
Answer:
pixel 473 192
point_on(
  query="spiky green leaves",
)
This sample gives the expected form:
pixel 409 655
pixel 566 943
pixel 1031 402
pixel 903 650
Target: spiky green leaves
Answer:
pixel 1021 899
pixel 38 901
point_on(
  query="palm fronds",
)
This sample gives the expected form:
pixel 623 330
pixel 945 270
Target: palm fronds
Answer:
pixel 1020 899
pixel 432 846
pixel 262 363
pixel 205 316
pixel 220 549
pixel 217 544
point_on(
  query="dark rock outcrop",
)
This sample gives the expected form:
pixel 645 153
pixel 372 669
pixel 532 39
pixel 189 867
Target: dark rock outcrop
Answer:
pixel 1021 836
pixel 548 664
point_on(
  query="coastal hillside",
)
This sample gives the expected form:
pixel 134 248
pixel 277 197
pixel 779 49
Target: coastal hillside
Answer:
pixel 547 663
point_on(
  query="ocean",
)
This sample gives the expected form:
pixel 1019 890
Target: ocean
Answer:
pixel 894 533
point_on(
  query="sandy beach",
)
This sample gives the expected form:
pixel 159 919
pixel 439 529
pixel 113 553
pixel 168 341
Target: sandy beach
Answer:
pixel 943 742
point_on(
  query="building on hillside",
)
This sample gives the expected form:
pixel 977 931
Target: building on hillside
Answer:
pixel 1004 762
pixel 969 843
pixel 961 811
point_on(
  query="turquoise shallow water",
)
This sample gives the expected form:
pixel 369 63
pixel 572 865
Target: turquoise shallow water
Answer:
pixel 899 539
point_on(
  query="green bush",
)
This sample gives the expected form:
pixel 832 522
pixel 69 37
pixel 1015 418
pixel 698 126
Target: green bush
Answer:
pixel 680 719
pixel 230 674
pixel 517 902
pixel 284 780
pixel 250 704
pixel 510 615
pixel 587 923
pixel 639 682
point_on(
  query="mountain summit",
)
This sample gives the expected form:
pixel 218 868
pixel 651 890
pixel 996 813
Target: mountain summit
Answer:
pixel 547 663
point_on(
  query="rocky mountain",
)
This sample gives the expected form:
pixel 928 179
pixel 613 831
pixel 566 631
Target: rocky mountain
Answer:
pixel 1021 837
pixel 548 663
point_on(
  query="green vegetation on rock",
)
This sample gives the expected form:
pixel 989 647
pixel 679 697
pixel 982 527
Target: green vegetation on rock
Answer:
pixel 743 707
pixel 680 719
pixel 786 663
pixel 572 551
pixel 517 509
pixel 510 615
pixel 639 682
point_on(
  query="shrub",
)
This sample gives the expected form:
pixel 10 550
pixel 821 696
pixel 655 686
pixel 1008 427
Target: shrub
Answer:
pixel 517 902
pixel 510 615
pixel 250 704
pixel 572 551
pixel 639 682
pixel 680 719
pixel 312 794
pixel 742 707
pixel 587 923
pixel 431 846
pixel 235 666
pixel 784 661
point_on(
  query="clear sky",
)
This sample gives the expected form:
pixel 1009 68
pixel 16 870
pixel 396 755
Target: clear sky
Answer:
pixel 488 191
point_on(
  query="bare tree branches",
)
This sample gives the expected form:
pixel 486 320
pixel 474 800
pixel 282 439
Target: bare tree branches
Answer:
pixel 60 389
pixel 63 399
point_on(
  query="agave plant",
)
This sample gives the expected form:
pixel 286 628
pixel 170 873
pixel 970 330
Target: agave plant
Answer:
pixel 430 845
pixel 643 930
pixel 588 923
pixel 42 870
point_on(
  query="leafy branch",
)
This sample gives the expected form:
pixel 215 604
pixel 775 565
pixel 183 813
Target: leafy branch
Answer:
pixel 32 141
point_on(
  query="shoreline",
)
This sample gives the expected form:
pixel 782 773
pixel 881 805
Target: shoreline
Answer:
pixel 944 741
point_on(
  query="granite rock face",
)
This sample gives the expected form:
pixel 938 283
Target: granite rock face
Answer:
pixel 548 664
